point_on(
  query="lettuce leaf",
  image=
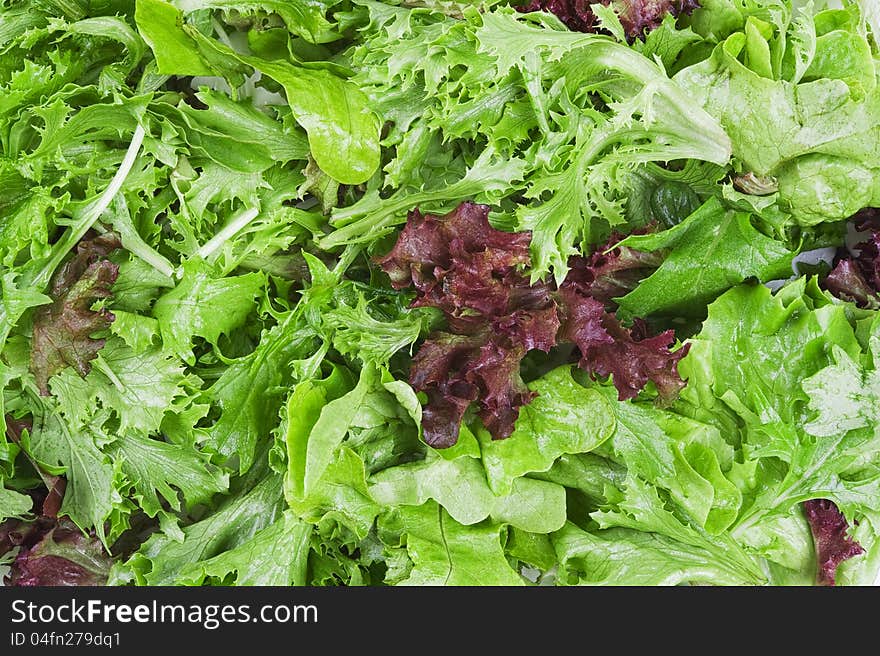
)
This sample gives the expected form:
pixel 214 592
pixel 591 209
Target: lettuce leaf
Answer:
pixel 444 552
pixel 711 251
pixel 57 553
pixel 813 128
pixel 237 524
pixel 13 504
pixel 833 545
pixel 62 331
pixel 334 114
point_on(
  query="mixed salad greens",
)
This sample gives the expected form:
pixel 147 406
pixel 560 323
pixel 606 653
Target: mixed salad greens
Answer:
pixel 464 292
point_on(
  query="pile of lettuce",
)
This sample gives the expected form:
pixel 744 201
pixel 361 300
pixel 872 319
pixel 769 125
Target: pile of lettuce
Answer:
pixel 463 292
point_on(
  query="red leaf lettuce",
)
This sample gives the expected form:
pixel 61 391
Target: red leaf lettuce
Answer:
pixel 476 276
pixel 856 278
pixel 62 331
pixel 833 545
pixel 636 16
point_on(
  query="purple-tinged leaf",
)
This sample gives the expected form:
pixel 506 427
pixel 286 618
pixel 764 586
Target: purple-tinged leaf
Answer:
pixel 640 16
pixel 475 275
pixel 856 278
pixel 847 282
pixel 62 331
pixel 576 14
pixel 833 546
pixel 629 356
pixel 456 370
pixel 636 16
pixel 611 271
pixel 424 251
pixel 56 553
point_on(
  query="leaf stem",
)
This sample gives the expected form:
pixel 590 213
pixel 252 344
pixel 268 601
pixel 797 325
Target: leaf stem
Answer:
pixel 227 232
pixel 91 213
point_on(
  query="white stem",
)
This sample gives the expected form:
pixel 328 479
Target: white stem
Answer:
pixel 159 263
pixel 227 232
pixel 91 214
pixel 121 174
pixel 221 33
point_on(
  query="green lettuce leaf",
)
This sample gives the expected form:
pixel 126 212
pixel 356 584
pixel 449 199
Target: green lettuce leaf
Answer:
pixel 443 552
pixel 844 396
pixel 460 487
pixel 565 418
pixel 815 135
pixel 205 306
pixel 163 560
pixel 138 387
pixel 13 504
pixel 335 433
pixel 249 392
pixel 711 251
pixel 90 495
pixel 276 555
pixel 681 456
pixel 620 556
pixel 749 332
pixel 306 19
pixel 343 132
pixel 640 507
pixel 156 468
